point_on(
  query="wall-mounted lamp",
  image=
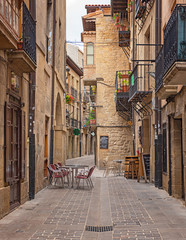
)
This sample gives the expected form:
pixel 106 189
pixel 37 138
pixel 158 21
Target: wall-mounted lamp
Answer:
pixel 67 71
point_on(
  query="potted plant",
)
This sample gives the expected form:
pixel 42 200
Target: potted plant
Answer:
pixel 69 98
pixel 127 85
pixel 123 86
pixel 117 25
pixel 20 44
pixel 116 17
pixel 122 27
pixel 119 90
pixel 122 75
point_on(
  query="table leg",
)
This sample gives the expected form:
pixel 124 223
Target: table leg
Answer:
pixel 72 177
pixel 119 168
pixel 132 170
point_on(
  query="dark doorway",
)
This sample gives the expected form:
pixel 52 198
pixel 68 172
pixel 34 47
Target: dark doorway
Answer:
pixel 13 152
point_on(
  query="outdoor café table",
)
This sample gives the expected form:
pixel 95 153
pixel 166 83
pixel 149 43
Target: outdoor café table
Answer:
pixel 74 170
pixel 119 165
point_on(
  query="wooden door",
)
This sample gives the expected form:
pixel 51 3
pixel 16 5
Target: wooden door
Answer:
pixel 13 153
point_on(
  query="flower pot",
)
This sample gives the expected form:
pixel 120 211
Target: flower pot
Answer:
pixel 20 45
pixel 125 75
pixel 127 88
pixel 92 121
pixel 122 28
pixel 117 19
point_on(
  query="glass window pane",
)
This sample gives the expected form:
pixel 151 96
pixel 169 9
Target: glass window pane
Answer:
pixel 90 49
pixel 90 60
pixel 2 7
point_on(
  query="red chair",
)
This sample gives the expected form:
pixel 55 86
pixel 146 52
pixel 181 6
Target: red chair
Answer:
pixel 65 172
pixel 86 177
pixel 55 174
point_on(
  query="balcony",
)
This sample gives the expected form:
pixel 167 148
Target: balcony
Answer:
pixel 140 82
pixel 175 47
pixel 9 24
pixel 118 5
pixel 24 58
pixel 72 123
pixel 123 107
pixel 124 38
pixel 140 8
pixel 162 91
pixel 93 93
pixel 86 97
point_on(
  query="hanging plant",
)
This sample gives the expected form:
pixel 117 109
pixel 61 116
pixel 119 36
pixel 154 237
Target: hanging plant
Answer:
pixel 69 98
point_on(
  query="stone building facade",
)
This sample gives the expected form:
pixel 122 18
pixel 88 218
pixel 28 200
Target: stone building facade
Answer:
pixel 170 90
pixel 157 87
pixel 16 62
pixel 77 110
pixel 46 75
pixel 102 58
pixel 26 60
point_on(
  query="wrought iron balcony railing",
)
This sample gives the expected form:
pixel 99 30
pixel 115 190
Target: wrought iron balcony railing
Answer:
pixel 139 82
pixel 122 81
pixel 159 69
pixel 85 97
pixel 175 37
pixel 124 38
pixel 29 33
pixel 140 8
pixel 123 107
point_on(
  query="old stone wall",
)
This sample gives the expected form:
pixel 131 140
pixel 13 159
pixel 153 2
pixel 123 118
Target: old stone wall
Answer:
pixel 44 85
pixel 176 110
pixel 109 59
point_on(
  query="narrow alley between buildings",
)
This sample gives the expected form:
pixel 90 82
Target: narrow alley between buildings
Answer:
pixel 116 208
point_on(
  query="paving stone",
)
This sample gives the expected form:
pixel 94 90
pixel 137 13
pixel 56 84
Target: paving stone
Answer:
pixel 135 210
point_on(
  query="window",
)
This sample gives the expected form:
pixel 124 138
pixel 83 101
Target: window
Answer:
pixel 90 53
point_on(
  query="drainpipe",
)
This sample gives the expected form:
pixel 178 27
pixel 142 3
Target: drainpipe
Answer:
pixel 31 134
pixel 133 65
pixel 80 115
pixel 158 135
pixel 53 79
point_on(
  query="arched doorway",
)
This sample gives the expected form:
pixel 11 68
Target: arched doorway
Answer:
pixel 58 131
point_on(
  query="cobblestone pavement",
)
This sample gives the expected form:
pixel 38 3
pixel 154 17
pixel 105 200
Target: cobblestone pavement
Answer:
pixel 116 209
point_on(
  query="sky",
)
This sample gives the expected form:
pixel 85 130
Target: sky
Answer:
pixel 75 10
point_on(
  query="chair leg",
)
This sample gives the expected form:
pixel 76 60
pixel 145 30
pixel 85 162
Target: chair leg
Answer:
pixel 87 182
pixel 90 180
pixel 78 182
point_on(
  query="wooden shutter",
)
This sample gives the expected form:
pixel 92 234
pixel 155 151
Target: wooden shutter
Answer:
pixel 8 118
pixel 22 145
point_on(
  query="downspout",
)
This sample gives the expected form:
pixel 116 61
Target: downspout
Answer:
pixel 133 65
pixel 158 135
pixel 80 115
pixel 53 79
pixel 31 134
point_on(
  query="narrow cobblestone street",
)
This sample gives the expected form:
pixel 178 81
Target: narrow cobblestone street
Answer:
pixel 130 210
